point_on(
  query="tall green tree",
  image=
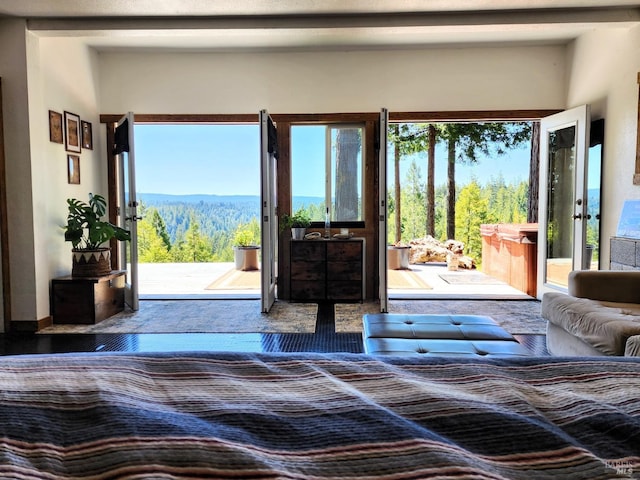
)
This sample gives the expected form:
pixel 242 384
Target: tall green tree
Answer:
pixel 431 180
pixel 467 141
pixel 413 219
pixel 151 247
pixel 407 139
pixel 195 248
pixel 471 212
pixel 159 226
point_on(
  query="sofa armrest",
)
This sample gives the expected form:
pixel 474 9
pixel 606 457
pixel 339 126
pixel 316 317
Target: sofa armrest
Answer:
pixel 621 286
pixel 632 347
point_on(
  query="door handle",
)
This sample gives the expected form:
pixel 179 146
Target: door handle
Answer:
pixel 577 216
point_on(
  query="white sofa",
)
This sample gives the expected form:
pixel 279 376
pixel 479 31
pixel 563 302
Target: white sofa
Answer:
pixel 600 315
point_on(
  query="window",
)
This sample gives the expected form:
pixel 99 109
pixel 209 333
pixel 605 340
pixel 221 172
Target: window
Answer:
pixel 326 170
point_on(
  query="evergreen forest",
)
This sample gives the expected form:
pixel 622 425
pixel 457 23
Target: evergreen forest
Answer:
pixel 205 228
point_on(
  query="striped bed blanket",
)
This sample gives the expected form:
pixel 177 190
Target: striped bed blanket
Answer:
pixel 317 416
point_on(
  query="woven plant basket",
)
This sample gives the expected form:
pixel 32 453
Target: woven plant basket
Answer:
pixel 91 263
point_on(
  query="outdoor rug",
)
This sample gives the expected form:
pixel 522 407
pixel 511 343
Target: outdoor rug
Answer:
pixel 515 316
pixel 237 280
pixel 406 279
pixel 204 316
pixel 469 278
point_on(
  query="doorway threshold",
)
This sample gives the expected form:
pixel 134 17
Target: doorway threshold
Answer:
pixel 458 296
pixel 201 296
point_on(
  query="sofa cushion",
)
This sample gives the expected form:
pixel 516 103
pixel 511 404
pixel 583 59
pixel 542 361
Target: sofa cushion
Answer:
pixel 633 347
pixel 604 325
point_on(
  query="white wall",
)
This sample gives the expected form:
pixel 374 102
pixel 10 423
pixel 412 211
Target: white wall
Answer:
pixel 62 76
pixel 322 82
pixel 39 75
pixel 13 70
pixel 603 68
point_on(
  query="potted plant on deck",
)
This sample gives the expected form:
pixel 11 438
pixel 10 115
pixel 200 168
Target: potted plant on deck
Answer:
pixel 298 223
pixel 245 252
pixel 87 233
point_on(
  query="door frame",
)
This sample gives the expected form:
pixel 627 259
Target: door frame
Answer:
pixel 284 122
pixel 4 232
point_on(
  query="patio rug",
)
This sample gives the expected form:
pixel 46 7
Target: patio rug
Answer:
pixel 204 316
pixel 469 278
pixel 236 280
pixel 406 279
pixel 515 316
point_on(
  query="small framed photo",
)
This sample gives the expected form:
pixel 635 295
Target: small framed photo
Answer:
pixel 72 132
pixel 87 135
pixel 55 127
pixel 73 169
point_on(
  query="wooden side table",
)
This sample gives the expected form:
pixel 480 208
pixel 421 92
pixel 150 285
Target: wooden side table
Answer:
pixel 87 300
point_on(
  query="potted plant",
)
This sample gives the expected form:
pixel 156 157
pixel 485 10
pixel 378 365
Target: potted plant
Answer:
pixel 87 233
pixel 298 223
pixel 398 256
pixel 245 252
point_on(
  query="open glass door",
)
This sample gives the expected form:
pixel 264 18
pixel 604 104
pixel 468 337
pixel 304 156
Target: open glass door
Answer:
pixel 563 197
pixel 128 217
pixel 382 210
pixel 269 221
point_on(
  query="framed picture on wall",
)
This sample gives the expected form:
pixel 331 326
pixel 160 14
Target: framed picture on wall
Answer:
pixel 73 169
pixel 72 132
pixel 55 127
pixel 87 135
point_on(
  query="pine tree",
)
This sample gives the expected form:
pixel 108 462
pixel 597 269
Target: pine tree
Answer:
pixel 160 227
pixel 414 216
pixel 471 212
pixel 151 247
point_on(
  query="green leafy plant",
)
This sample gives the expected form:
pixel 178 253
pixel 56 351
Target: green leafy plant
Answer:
pixel 300 219
pixel 85 229
pixel 243 236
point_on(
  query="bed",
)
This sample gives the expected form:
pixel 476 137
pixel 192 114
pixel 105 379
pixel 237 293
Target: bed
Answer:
pixel 317 416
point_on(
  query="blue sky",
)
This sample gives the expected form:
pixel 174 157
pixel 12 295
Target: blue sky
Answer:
pixel 224 160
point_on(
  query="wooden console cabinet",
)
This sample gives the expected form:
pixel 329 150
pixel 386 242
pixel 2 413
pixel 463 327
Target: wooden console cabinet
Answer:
pixel 87 300
pixel 327 270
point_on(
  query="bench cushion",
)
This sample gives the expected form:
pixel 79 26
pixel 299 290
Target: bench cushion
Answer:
pixel 454 327
pixel 449 348
pixel 443 335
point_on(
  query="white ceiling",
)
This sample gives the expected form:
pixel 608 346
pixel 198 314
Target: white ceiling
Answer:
pixel 318 24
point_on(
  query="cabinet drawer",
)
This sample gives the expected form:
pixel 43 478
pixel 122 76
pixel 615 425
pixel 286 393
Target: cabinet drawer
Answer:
pixel 308 270
pixel 344 251
pixel 343 290
pixel 307 250
pixel 344 271
pixel 307 290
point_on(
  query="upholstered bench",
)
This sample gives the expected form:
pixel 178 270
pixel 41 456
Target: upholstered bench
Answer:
pixel 443 335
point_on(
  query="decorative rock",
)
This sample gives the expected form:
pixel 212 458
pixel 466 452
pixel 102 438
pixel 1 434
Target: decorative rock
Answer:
pixel 428 249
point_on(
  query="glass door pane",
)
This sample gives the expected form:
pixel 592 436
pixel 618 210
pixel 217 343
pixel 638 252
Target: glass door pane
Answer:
pixel 128 203
pixel 269 225
pixel 560 201
pixel 346 173
pixel 563 213
pixel 594 183
pixel 383 211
